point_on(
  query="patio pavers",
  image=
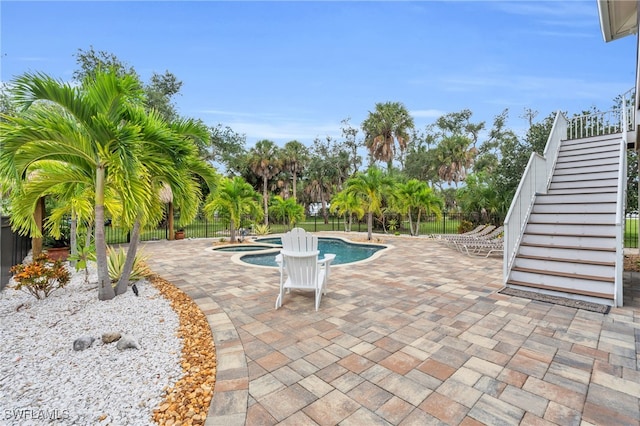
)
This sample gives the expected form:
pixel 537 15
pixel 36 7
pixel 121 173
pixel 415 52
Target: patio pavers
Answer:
pixel 417 336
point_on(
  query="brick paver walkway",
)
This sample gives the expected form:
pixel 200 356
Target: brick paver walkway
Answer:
pixel 419 336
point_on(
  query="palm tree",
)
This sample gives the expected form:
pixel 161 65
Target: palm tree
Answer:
pixel 369 188
pixel 71 190
pixel 347 204
pixel 319 184
pixel 295 158
pixel 264 162
pixel 456 156
pixel 234 198
pixel 288 210
pixel 170 155
pixel 415 197
pixel 387 125
pixel 88 126
pixel 480 194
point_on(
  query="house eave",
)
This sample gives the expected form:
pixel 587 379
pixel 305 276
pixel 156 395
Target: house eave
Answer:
pixel 618 19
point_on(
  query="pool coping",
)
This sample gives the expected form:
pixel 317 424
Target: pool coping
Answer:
pixel 236 256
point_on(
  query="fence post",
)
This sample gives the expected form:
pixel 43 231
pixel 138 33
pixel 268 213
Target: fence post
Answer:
pixel 444 222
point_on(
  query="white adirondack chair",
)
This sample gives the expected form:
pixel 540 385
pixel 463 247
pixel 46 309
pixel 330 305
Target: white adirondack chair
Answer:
pixel 300 267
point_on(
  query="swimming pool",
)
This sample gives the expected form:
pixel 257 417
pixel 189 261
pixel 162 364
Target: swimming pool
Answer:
pixel 346 252
pixel 241 248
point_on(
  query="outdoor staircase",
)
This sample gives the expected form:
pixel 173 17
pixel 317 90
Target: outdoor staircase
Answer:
pixel 568 245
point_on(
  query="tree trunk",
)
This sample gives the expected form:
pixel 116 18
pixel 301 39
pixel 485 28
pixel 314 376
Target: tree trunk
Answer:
pixel 123 282
pixel 105 289
pixel 418 224
pixel 369 225
pixel 325 215
pixel 38 215
pixel 265 200
pixel 232 231
pixel 73 240
pixel 170 221
pixel 87 238
pixel 295 178
pixel 410 223
pixel 350 222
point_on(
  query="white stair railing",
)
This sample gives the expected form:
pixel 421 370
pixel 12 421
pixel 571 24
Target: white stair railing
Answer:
pixel 536 179
pixel 628 118
pixel 604 123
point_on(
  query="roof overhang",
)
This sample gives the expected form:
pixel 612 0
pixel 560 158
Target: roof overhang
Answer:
pixel 618 18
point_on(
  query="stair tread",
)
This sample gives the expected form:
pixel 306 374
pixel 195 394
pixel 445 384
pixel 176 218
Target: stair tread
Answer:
pixel 564 274
pixel 566 234
pixel 561 289
pixel 574 213
pixel 563 191
pixel 567 247
pixel 557 259
pixel 535 222
pixel 595 138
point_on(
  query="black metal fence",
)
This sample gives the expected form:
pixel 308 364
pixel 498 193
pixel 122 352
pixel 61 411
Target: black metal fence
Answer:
pixel 13 249
pixel 448 223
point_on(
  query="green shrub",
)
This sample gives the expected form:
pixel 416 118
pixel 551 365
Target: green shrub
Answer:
pixel 116 261
pixel 465 226
pixel 40 276
pixel 261 229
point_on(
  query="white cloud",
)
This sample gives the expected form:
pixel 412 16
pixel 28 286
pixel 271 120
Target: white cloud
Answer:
pixel 31 59
pixel 539 87
pixel 427 113
pixel 281 126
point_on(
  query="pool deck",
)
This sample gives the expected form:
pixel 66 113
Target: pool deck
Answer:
pixel 418 336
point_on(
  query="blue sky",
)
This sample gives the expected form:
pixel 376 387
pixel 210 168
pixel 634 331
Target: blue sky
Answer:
pixel 294 70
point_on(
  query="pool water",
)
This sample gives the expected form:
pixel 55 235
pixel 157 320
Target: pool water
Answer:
pixel 345 252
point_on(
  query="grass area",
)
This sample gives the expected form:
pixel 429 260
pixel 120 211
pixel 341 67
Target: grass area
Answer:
pixel 631 233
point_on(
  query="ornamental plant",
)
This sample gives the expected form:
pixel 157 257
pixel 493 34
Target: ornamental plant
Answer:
pixel 41 276
pixel 116 261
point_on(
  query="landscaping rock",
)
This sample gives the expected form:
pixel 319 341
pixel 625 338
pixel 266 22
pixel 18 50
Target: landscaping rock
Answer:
pixel 111 337
pixel 128 342
pixel 82 343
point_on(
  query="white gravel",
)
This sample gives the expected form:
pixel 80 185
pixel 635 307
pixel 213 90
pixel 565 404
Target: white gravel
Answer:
pixel 44 381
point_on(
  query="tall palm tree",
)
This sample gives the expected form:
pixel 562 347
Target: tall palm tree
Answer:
pixel 170 154
pixel 88 126
pixel 387 125
pixel 370 188
pixel 346 204
pixel 415 197
pixel 295 159
pixel 234 198
pixel 319 184
pixel 264 161
pixel 455 155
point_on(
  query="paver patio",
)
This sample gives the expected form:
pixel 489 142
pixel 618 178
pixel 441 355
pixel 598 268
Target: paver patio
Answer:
pixel 418 336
